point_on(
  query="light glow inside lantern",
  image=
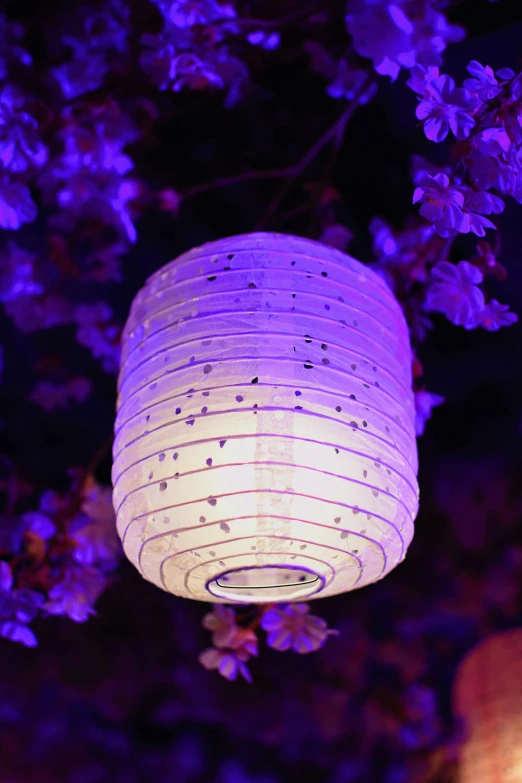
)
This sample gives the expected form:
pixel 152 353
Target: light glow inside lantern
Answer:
pixel 488 698
pixel 265 444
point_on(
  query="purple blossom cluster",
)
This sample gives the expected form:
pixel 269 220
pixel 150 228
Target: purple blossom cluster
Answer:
pixel 191 51
pixel 69 548
pixel 399 34
pixel 290 627
pixel 22 153
pixel 88 179
pixel 485 117
pixel 102 38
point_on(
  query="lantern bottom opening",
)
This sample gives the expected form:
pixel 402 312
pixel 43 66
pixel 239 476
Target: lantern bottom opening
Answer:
pixel 262 584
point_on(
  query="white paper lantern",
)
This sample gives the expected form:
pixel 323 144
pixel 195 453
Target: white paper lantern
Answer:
pixel 488 697
pixel 265 446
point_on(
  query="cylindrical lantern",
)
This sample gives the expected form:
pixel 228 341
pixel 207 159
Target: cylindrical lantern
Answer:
pixel 265 446
pixel 488 697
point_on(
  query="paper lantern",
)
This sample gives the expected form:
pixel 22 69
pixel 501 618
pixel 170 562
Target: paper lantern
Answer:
pixel 488 697
pixel 265 446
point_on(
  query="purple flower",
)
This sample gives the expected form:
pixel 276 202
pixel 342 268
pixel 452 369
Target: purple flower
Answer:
pixel 17 273
pixel 81 75
pixel 492 141
pixel 95 533
pixel 451 208
pixel 17 607
pixel 189 70
pixel 496 315
pixel 156 59
pixel 87 177
pixel 383 33
pixel 16 205
pixel 425 401
pixel 480 202
pixel 20 144
pixel 97 333
pixel 421 78
pixel 484 84
pixel 92 149
pixel 399 34
pixel 25 604
pixel 293 628
pixel 443 106
pixel 399 248
pixel 456 293
pixel 108 28
pixel 221 621
pixel 104 31
pixel 103 196
pixel 442 204
pixel 18 632
pixel 188 13
pixel 39 523
pixel 491 172
pixel 76 594
pixel 230 661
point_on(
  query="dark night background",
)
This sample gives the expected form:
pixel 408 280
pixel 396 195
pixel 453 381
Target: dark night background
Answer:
pixel 122 698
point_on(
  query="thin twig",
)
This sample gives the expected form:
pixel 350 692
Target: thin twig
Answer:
pixel 290 173
pixel 225 182
pixel 336 131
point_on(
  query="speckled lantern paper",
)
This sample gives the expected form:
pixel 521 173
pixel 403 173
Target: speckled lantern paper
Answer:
pixel 265 446
pixel 488 697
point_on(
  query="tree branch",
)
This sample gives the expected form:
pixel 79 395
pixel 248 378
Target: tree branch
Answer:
pixel 289 173
pixel 336 132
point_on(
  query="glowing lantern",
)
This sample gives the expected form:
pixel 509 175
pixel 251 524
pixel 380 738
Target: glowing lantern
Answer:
pixel 488 697
pixel 265 446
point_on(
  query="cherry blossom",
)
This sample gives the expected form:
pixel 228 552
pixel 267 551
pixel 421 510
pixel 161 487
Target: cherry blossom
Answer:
pixel 16 204
pixel 294 628
pixel 221 621
pixel 94 532
pixel 17 273
pixel 230 660
pixel 496 315
pixel 21 146
pixel 399 35
pixel 443 107
pixel 456 293
pixel 97 333
pixel 484 82
pixel 76 593
pixel 442 204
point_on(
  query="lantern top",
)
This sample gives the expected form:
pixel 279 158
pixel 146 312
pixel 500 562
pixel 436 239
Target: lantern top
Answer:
pixel 275 241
